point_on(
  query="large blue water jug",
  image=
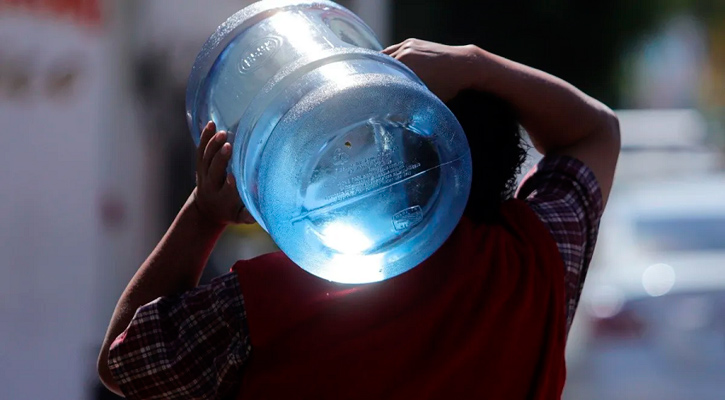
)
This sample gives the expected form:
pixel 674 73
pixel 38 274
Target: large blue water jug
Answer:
pixel 357 171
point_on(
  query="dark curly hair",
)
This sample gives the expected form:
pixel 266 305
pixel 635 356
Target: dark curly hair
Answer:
pixel 497 150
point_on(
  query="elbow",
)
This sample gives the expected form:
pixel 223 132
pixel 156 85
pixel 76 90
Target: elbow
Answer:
pixel 614 137
pixel 606 132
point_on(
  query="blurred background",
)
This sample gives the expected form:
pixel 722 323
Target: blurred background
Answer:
pixel 98 159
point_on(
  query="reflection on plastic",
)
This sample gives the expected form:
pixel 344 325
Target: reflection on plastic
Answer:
pixel 355 268
pixel 345 238
pixel 298 31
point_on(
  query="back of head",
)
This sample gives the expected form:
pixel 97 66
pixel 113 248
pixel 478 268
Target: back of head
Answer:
pixel 497 151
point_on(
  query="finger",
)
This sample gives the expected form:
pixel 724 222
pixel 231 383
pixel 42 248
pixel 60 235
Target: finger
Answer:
pixel 218 166
pixel 403 52
pixel 229 191
pixel 400 53
pixel 215 144
pixel 206 135
pixel 230 187
pixel 246 217
pixel 405 57
pixel 392 49
pixel 405 43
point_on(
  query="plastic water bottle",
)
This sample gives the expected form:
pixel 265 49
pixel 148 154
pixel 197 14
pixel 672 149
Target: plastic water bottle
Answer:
pixel 357 171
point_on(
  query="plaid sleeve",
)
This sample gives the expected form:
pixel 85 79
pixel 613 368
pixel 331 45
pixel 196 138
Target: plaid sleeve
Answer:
pixel 565 194
pixel 188 346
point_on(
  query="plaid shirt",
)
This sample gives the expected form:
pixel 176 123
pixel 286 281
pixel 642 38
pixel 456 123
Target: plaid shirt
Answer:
pixel 565 195
pixel 195 345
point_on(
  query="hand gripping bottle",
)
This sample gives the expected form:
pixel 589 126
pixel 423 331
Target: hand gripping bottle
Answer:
pixel 357 171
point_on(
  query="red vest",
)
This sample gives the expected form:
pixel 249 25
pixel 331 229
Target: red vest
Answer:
pixel 483 317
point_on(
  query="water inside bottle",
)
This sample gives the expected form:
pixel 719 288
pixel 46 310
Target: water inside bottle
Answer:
pixel 374 194
pixel 355 169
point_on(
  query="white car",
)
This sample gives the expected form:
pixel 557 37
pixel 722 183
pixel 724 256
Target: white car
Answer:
pixel 651 322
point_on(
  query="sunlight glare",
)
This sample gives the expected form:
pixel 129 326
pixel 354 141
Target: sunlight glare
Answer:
pixel 345 239
pixel 356 268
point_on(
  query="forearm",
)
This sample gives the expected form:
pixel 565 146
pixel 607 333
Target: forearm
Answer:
pixel 559 118
pixel 553 112
pixel 174 266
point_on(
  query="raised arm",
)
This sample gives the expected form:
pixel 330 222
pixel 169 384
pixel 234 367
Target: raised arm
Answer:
pixel 559 118
pixel 176 264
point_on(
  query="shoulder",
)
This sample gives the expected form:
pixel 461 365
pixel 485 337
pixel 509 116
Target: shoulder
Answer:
pixel 566 197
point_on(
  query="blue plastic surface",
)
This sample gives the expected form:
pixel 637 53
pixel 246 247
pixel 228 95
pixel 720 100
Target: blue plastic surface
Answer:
pixel 353 166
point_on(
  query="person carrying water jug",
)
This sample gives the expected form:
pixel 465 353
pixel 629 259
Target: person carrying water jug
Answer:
pixel 486 316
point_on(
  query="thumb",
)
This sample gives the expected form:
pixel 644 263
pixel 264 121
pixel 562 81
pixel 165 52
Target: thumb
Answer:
pixel 230 186
pixel 230 190
pixel 245 216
